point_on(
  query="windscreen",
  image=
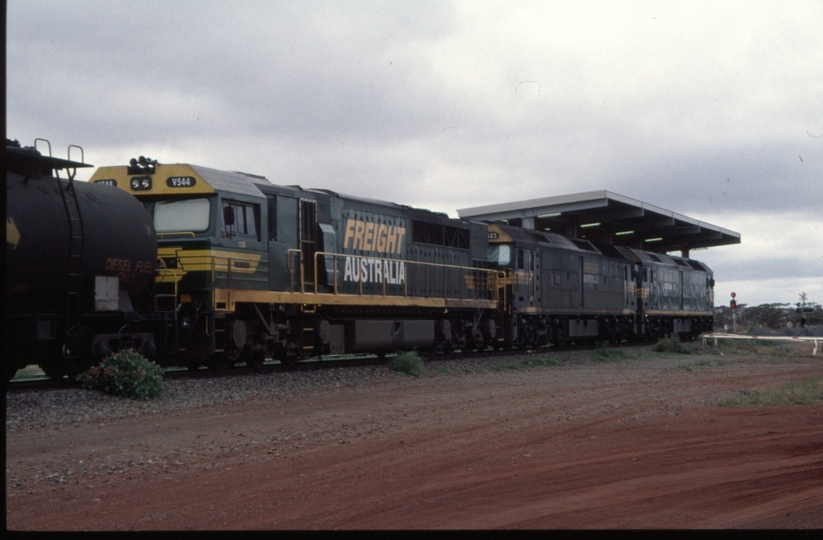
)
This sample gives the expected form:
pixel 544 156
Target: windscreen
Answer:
pixel 500 254
pixel 185 215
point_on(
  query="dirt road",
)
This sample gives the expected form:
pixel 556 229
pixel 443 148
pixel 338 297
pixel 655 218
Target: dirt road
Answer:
pixel 638 443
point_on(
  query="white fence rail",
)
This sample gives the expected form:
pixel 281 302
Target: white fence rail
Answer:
pixel 720 335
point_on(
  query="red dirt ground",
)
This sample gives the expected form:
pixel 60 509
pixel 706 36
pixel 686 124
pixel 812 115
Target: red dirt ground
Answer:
pixel 639 443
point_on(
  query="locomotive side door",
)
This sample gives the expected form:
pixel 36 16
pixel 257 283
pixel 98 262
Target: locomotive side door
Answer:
pixel 524 276
pixel 629 286
pixel 307 222
pixel 278 270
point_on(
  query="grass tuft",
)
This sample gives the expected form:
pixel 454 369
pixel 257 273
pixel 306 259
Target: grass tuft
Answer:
pixel 606 354
pixel 670 344
pixel 803 392
pixel 700 364
pixel 527 364
pixel 764 348
pixel 408 362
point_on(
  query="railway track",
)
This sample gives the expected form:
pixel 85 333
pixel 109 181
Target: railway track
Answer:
pixel 38 382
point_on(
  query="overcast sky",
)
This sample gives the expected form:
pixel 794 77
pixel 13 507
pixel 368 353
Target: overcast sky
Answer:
pixel 713 110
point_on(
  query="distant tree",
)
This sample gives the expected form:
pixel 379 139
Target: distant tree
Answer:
pixel 812 311
pixel 724 316
pixel 772 316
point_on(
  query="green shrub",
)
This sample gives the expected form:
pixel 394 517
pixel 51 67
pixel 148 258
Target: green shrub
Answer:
pixel 407 362
pixel 127 374
pixel 670 345
pixel 605 354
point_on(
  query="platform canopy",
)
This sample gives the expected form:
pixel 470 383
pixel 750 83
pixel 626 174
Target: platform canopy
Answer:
pixel 604 216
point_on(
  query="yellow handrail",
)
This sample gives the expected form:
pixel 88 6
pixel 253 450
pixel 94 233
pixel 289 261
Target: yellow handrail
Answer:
pixel 164 272
pixel 185 233
pixel 474 277
pixel 289 265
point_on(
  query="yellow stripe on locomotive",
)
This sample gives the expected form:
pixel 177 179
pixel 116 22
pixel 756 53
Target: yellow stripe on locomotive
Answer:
pixel 176 262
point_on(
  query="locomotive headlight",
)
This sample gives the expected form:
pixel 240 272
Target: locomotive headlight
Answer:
pixel 141 183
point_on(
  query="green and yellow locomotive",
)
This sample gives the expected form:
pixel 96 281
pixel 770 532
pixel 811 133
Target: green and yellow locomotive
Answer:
pixel 249 270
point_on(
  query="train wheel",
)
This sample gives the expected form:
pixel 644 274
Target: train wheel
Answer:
pixel 286 357
pixel 52 369
pixel 11 371
pixel 220 361
pixel 255 359
pixel 288 360
pixel 77 353
pixel 192 363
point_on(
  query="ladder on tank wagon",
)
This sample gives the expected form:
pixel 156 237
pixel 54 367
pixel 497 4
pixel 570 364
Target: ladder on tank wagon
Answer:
pixel 76 229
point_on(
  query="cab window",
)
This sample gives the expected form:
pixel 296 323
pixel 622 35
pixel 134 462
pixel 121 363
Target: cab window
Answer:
pixel 241 219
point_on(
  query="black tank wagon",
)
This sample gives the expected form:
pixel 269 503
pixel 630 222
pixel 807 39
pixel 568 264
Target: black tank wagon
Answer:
pixel 77 255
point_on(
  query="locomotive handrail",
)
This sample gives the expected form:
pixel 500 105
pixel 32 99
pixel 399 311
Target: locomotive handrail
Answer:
pixel 214 260
pixel 502 276
pixel 186 233
pixel 491 283
pixel 165 272
pixel 290 267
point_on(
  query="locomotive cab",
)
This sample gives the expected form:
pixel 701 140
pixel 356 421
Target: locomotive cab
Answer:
pixel 209 236
pixel 675 295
